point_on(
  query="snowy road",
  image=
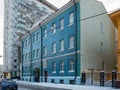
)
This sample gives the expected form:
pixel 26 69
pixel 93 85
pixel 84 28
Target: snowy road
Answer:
pixel 50 86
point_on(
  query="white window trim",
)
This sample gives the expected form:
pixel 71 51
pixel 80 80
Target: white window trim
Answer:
pixel 53 28
pixel 54 51
pixel 72 42
pixel 45 34
pixel 37 53
pixel 71 48
pixel 45 51
pixel 71 64
pixel 61 50
pixel 54 67
pixel 61 64
pixel 61 26
pixel 71 23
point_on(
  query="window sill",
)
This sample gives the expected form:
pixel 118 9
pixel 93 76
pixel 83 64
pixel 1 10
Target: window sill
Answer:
pixel 70 24
pixel 71 48
pixel 61 71
pixel 53 52
pixel 61 51
pixel 71 71
pixel 54 72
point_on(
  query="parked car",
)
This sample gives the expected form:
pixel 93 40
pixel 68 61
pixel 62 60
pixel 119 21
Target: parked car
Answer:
pixel 8 84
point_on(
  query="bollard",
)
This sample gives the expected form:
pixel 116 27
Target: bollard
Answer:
pixel 83 79
pixel 102 75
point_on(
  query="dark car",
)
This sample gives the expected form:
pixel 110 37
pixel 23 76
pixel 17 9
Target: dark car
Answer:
pixel 8 84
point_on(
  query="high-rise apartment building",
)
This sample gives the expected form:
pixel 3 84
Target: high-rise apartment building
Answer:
pixel 19 16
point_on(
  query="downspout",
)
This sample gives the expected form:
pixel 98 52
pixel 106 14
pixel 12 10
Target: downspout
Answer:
pixel 31 57
pixel 21 71
pixel 41 64
pixel 76 28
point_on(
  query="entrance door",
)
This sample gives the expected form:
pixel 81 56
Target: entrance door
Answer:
pixel 36 74
pixel 45 75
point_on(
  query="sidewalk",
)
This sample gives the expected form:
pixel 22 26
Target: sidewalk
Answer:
pixel 78 87
pixel 51 86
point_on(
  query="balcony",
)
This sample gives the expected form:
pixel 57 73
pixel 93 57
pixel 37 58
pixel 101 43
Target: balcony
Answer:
pixel 20 32
pixel 22 3
pixel 21 20
pixel 22 27
pixel 17 43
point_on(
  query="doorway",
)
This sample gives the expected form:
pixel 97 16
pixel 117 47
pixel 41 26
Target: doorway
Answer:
pixel 45 76
pixel 36 74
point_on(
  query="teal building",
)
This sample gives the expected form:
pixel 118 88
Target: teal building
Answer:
pixel 67 43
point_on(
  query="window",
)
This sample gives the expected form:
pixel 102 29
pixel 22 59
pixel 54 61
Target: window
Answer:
pixel 23 44
pixel 44 63
pixel 37 53
pixel 52 80
pixel 54 67
pixel 15 66
pixel 29 55
pixel 71 65
pixel 29 41
pixel 38 36
pixel 71 82
pixel 71 18
pixel 71 42
pixel 25 56
pixel 45 51
pixel 54 47
pixel 45 33
pixel 26 43
pixel 62 66
pixel 62 24
pixel 33 53
pixel 102 46
pixel 61 81
pixel 34 38
pixel 15 60
pixel 61 45
pixel 53 28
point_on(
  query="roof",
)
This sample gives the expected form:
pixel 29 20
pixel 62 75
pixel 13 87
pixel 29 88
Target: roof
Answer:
pixel 115 15
pixel 48 4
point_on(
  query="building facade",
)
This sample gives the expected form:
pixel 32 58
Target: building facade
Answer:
pixel 116 20
pixel 77 38
pixel 19 17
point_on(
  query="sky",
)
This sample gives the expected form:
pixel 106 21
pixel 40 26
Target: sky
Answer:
pixel 109 4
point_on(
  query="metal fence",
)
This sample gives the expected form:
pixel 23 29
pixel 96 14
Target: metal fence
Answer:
pixel 99 78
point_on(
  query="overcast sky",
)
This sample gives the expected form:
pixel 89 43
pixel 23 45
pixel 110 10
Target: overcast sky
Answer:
pixel 110 5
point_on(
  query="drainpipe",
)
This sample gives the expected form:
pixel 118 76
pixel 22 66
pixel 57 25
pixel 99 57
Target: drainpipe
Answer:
pixel 31 56
pixel 41 64
pixel 76 28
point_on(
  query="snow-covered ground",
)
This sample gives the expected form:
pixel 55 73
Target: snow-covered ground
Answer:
pixel 77 87
pixel 63 86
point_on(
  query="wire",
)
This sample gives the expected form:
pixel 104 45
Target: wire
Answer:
pixel 74 22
